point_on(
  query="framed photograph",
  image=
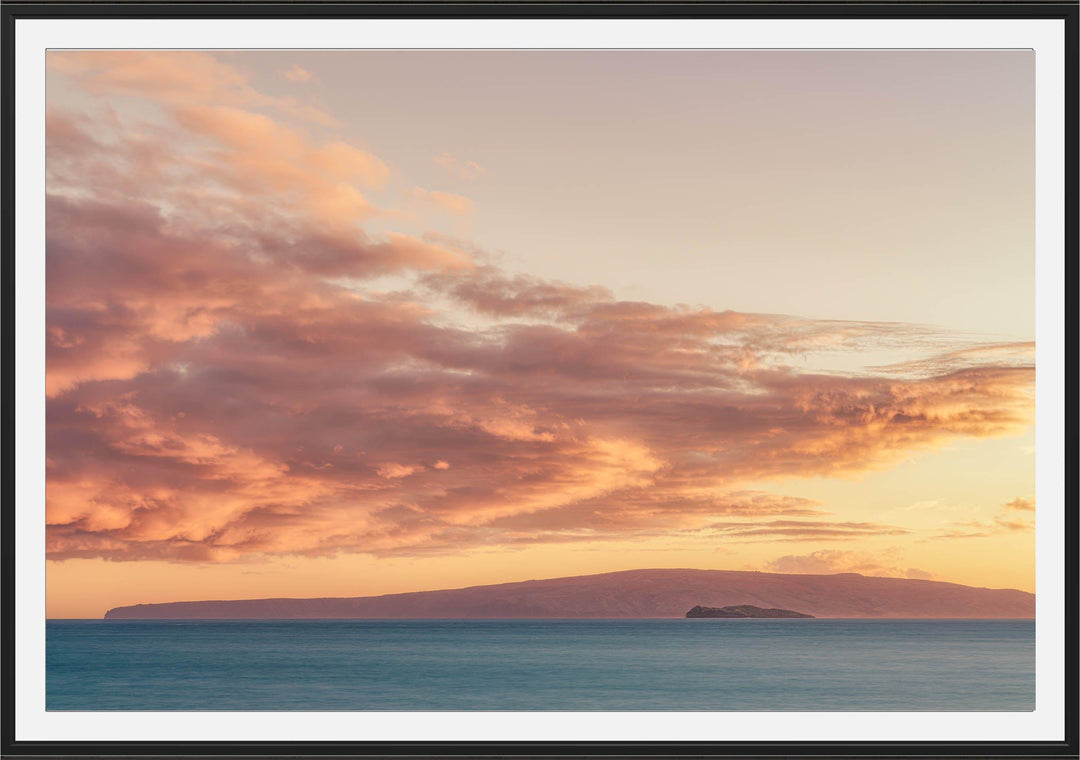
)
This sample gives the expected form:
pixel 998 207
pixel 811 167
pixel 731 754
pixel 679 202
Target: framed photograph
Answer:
pixel 531 379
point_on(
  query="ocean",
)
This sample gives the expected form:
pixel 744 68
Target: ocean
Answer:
pixel 572 665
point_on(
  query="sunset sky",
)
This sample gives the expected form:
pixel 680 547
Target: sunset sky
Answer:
pixel 351 323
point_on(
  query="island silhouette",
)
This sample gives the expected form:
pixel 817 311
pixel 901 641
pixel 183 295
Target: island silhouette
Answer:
pixel 647 593
pixel 735 611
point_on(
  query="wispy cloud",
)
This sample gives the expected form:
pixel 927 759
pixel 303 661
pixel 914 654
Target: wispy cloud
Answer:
pixel 1003 522
pixel 829 561
pixel 297 74
pixel 450 203
pixel 457 167
pixel 804 530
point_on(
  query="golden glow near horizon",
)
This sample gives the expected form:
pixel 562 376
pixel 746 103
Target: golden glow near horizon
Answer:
pixel 351 323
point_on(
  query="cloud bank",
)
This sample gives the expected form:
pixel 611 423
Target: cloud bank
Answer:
pixel 830 561
pixel 224 379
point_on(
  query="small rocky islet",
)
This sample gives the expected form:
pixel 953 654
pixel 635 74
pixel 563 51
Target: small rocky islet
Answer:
pixel 743 611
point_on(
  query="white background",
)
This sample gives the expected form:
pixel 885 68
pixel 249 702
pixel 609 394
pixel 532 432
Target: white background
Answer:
pixel 33 37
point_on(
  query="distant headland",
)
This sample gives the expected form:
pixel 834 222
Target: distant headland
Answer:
pixel 653 593
pixel 742 611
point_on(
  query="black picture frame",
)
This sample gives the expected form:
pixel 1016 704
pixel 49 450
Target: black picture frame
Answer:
pixel 14 12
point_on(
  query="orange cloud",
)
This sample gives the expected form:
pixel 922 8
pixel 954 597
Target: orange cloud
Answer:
pixel 446 202
pixel 173 77
pixel 830 561
pixel 1003 522
pixel 225 379
pixel 805 530
pixel 1020 353
pixel 392 470
pixel 1021 505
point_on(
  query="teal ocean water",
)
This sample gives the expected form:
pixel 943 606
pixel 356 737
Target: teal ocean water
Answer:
pixel 612 665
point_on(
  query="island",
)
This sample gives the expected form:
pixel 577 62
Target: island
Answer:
pixel 633 594
pixel 742 611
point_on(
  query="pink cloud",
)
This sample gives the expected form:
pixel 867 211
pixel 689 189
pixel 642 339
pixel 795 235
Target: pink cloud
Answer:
pixel 173 77
pixel 449 203
pixel 392 470
pixel 831 561
pixel 224 380
pixel 297 74
pixel 457 167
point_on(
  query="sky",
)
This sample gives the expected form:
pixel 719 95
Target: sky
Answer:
pixel 349 323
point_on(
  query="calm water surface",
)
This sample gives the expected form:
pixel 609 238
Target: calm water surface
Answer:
pixel 540 665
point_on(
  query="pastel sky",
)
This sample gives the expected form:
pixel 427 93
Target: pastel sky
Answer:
pixel 349 323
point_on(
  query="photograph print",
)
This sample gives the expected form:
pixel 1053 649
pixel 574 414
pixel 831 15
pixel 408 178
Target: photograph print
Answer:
pixel 540 380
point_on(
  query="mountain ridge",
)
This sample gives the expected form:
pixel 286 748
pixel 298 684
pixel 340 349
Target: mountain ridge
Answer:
pixel 642 593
